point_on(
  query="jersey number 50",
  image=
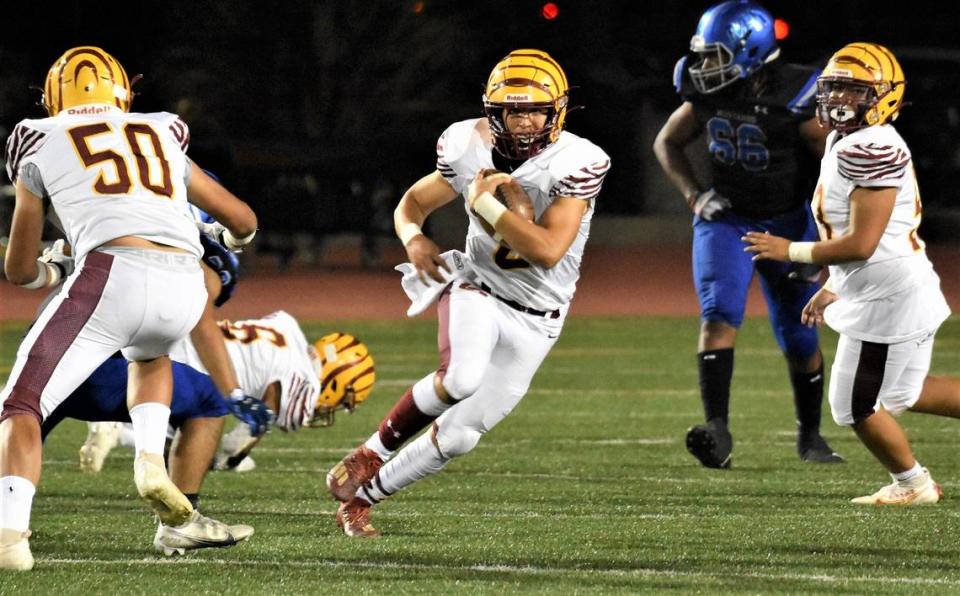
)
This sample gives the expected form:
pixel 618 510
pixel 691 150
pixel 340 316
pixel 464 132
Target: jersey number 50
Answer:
pixel 134 133
pixel 744 144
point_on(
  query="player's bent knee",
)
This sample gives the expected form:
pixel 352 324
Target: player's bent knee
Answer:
pixel 457 441
pixel 461 381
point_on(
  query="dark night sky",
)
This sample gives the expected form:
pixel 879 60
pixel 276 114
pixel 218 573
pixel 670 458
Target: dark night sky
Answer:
pixel 360 90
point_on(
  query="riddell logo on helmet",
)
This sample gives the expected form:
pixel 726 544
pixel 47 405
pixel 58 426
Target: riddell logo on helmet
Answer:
pixel 518 97
pixel 89 110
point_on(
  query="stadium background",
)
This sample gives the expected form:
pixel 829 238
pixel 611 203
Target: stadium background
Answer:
pixel 321 113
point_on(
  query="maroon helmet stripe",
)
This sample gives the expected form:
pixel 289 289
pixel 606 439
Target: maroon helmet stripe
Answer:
pixel 58 335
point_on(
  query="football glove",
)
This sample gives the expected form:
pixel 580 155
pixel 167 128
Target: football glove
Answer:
pixel 251 411
pixel 55 255
pixel 710 205
pixel 221 234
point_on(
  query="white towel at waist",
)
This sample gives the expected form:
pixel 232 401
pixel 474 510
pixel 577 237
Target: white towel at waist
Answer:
pixel 423 295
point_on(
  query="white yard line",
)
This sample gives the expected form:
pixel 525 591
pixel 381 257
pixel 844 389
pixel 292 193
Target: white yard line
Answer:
pixel 520 570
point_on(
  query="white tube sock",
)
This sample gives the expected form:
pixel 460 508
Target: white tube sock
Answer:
pixel 16 500
pixel 150 427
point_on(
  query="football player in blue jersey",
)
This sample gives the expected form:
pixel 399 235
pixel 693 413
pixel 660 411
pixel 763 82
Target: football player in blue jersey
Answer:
pixel 757 114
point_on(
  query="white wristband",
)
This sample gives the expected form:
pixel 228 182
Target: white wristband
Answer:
pixel 234 243
pixel 43 277
pixel 489 208
pixel 828 285
pixel 801 252
pixel 408 231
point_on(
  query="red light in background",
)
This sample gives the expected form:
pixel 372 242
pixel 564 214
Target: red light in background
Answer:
pixel 550 11
pixel 781 29
pixel 418 7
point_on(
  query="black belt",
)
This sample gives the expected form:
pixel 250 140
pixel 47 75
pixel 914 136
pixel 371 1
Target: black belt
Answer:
pixel 553 314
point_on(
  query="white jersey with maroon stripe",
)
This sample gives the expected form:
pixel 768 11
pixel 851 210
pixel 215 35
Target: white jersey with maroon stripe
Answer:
pixel 265 351
pixel 108 174
pixel 570 167
pixel 871 308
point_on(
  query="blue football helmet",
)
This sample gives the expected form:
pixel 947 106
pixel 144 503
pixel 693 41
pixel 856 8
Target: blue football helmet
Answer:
pixel 733 40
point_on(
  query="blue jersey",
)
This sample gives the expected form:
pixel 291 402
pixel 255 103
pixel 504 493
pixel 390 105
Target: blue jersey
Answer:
pixel 759 160
pixel 103 397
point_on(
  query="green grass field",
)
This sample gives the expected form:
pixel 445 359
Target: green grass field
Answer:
pixel 586 487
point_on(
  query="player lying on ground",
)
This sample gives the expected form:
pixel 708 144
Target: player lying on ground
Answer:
pixel 305 384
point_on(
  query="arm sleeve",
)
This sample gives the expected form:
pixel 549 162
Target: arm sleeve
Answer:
pixel 873 165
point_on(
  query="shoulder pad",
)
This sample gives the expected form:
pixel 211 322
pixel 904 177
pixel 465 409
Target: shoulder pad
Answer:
pixel 678 69
pixel 174 125
pixel 579 169
pixel 455 140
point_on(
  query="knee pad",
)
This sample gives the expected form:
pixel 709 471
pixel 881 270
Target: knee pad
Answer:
pixel 461 381
pixel 453 441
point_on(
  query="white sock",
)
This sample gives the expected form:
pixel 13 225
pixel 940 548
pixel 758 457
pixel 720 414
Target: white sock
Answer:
pixel 16 499
pixel 426 398
pixel 417 460
pixel 150 427
pixel 910 474
pixel 376 445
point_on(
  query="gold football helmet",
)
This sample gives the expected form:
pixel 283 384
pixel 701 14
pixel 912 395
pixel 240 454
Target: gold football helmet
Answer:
pixel 862 85
pixel 346 375
pixel 85 75
pixel 526 80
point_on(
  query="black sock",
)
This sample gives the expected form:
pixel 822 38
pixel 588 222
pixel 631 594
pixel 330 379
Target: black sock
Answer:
pixel 716 371
pixel 807 398
pixel 194 499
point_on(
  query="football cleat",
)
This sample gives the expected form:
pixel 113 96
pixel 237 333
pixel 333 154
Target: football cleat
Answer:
pixel 814 449
pixel 155 487
pixel 102 437
pixel 921 490
pixel 711 443
pixel 198 532
pixel 15 552
pixel 352 472
pixel 353 517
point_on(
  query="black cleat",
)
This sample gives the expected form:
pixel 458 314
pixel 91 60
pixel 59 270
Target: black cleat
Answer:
pixel 813 448
pixel 711 443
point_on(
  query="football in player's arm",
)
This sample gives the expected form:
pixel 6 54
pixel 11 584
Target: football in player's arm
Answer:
pixel 500 318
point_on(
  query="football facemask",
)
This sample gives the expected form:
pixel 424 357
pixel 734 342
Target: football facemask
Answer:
pixel 525 81
pixel 862 85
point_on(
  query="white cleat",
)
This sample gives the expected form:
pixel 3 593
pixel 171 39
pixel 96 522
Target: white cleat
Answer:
pixel 15 552
pixel 921 490
pixel 198 532
pixel 155 487
pixel 101 439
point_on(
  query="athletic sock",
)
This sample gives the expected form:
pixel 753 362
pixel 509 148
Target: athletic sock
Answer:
pixel 417 460
pixel 716 371
pixel 16 500
pixel 150 427
pixel 403 422
pixel 807 399
pixel 194 499
pixel 910 474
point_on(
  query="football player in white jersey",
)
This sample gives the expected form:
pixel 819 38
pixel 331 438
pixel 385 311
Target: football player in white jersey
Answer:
pixel 118 185
pixel 498 323
pixel 883 295
pixel 273 362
